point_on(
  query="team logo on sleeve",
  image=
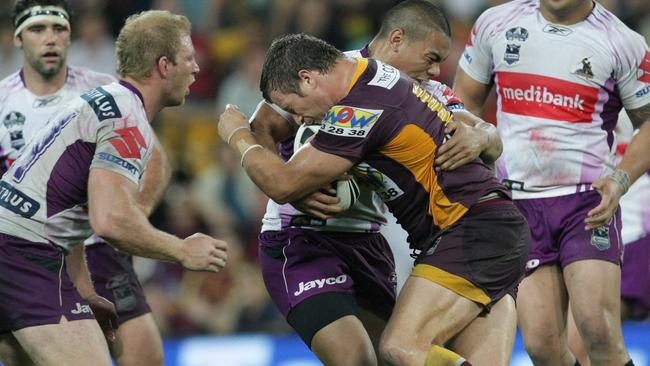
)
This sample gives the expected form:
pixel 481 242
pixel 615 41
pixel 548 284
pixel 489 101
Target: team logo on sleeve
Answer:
pixel 129 143
pixel 644 68
pixel 103 103
pixel 347 121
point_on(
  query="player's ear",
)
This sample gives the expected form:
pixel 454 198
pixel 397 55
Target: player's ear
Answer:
pixel 306 77
pixel 396 38
pixel 163 66
pixel 18 41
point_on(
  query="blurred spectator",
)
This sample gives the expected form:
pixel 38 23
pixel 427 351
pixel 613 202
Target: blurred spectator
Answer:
pixel 241 86
pixel 11 58
pixel 95 46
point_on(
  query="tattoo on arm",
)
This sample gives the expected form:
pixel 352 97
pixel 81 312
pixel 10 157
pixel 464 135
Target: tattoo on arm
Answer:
pixel 639 116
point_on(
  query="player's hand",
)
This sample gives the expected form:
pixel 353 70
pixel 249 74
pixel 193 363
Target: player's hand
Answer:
pixel 610 192
pixel 465 145
pixel 321 204
pixel 231 121
pixel 204 253
pixel 105 314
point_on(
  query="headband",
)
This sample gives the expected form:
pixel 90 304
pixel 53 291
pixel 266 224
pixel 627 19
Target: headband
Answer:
pixel 38 13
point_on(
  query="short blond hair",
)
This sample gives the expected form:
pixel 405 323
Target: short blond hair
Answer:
pixel 147 36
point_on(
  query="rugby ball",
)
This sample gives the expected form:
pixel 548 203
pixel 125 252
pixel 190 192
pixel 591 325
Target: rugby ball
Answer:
pixel 348 192
pixel 304 134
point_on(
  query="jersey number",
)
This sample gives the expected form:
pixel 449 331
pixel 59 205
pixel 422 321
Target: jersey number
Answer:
pixel 129 143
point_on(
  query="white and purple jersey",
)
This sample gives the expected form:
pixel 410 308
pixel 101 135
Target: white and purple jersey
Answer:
pixel 368 213
pixel 23 113
pixel 560 89
pixel 44 195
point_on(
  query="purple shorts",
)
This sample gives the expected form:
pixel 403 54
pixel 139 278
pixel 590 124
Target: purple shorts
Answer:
pixel 297 264
pixel 558 232
pixel 635 275
pixel 34 286
pixel 114 278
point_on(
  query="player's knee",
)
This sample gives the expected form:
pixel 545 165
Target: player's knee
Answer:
pixel 393 350
pixel 543 348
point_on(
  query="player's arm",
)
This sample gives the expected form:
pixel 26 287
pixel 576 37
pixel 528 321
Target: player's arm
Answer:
pixel 635 162
pixel 472 92
pixel 116 216
pixel 270 126
pixel 308 170
pixel 471 137
pixel 155 180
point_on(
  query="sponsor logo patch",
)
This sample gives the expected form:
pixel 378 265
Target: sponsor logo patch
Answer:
pixel 386 76
pixel 643 92
pixel 103 103
pixel 121 162
pixel 644 68
pixel 16 201
pixel 129 143
pixel 320 283
pixel 80 309
pixel 557 30
pixel 350 121
pixel 546 97
pixel 46 101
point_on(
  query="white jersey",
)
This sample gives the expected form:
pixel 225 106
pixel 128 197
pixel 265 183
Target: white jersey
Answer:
pixel 559 90
pixel 368 213
pixel 44 195
pixel 23 113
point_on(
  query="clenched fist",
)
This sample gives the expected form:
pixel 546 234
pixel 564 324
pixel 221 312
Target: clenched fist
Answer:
pixel 204 253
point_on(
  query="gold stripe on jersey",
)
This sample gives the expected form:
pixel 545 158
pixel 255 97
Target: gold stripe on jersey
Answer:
pixel 432 103
pixel 362 65
pixel 452 282
pixel 415 150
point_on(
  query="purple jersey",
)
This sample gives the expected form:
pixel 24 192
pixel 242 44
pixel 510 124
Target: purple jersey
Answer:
pixel 391 123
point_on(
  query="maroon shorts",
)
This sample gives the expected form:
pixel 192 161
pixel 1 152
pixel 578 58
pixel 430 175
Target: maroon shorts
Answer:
pixel 558 232
pixel 114 278
pixel 297 264
pixel 34 286
pixel 480 257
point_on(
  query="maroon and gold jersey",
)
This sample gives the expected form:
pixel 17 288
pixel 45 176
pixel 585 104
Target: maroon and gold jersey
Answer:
pixel 389 122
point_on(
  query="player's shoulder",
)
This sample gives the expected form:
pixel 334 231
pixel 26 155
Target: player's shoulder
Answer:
pixel 108 102
pixel 614 31
pixel 87 78
pixel 10 84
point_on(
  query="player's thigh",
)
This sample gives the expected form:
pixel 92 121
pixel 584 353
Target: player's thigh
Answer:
pixel 489 338
pixel 12 353
pixel 427 313
pixel 542 302
pixel 374 325
pixel 79 342
pixel 138 343
pixel 594 287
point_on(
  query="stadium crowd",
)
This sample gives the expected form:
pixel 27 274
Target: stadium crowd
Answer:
pixel 209 192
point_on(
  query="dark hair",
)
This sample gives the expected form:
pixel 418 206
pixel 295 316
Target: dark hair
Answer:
pixel 416 17
pixel 288 55
pixel 22 5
